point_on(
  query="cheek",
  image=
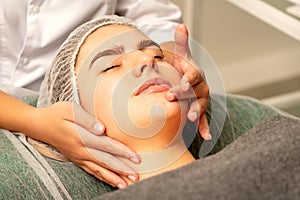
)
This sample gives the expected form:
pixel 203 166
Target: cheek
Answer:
pixel 102 101
pixel 104 107
pixel 143 110
pixel 169 72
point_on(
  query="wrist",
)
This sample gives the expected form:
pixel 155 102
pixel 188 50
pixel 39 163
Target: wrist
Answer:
pixel 28 120
pixel 32 123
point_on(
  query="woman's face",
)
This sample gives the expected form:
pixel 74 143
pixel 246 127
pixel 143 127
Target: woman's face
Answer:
pixel 122 79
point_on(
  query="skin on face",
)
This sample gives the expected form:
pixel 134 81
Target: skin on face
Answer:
pixel 122 79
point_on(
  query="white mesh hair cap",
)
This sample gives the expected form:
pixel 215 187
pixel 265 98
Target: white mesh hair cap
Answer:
pixel 59 83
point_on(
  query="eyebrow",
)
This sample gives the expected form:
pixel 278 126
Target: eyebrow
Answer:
pixel 120 49
pixel 147 43
pixel 116 50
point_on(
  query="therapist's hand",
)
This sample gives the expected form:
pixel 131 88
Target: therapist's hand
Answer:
pixel 81 140
pixel 193 77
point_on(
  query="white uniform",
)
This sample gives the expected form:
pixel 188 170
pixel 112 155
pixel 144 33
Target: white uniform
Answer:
pixel 31 31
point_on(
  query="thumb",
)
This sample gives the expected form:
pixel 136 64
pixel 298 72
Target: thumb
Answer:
pixel 82 118
pixel 181 50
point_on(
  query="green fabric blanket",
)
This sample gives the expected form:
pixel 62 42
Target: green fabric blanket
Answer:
pixel 25 174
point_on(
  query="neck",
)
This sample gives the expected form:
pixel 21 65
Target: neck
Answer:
pixel 157 162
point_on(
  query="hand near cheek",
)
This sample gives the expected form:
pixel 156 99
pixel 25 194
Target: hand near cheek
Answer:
pixel 193 83
pixel 79 137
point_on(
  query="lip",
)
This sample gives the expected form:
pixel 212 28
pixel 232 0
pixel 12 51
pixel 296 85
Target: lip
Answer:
pixel 162 83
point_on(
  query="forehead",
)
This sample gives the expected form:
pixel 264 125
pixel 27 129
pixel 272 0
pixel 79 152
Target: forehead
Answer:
pixel 110 35
pixel 106 37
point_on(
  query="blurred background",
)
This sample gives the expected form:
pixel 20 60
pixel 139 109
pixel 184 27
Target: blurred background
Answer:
pixel 254 43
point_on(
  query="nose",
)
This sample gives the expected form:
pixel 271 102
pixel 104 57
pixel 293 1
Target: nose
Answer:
pixel 145 63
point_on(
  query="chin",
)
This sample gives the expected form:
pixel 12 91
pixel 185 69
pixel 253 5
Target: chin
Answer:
pixel 158 106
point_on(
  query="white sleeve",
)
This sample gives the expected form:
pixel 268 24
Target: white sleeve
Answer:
pixel 151 16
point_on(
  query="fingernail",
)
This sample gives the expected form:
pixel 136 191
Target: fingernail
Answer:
pixel 99 128
pixel 135 160
pixel 192 116
pixel 170 96
pixel 208 136
pixel 132 178
pixel 185 85
pixel 121 186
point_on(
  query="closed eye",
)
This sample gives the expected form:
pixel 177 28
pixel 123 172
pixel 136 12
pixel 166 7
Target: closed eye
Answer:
pixel 111 67
pixel 159 57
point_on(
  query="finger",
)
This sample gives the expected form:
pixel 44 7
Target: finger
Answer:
pixel 100 158
pixel 197 107
pixel 176 93
pixel 204 127
pixel 192 76
pixel 181 49
pixel 113 163
pixel 199 91
pixel 87 121
pixel 82 118
pixel 107 144
pixel 104 175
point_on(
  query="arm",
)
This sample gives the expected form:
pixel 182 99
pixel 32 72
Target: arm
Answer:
pixel 55 125
pixel 9 118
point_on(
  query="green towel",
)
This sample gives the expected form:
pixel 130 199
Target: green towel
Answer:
pixel 242 114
